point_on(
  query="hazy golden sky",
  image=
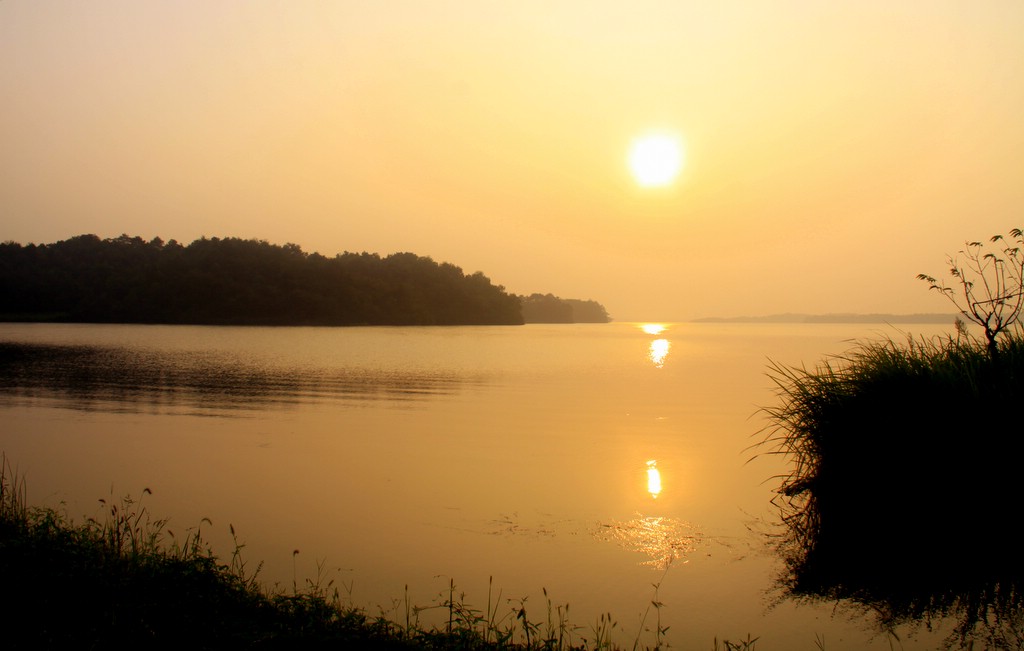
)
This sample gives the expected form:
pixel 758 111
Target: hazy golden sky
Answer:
pixel 833 149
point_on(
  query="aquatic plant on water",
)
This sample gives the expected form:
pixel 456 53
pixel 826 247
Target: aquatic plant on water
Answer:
pixel 904 490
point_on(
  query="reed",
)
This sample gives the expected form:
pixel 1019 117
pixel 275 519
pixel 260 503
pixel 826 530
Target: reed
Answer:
pixel 904 486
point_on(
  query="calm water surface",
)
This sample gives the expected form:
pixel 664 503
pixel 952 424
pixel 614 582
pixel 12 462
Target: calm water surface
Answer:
pixel 590 460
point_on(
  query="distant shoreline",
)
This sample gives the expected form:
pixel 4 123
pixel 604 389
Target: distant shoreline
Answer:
pixel 833 318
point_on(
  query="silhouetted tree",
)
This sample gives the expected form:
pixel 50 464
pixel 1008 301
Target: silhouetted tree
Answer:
pixel 548 308
pixel 545 308
pixel 588 311
pixel 989 284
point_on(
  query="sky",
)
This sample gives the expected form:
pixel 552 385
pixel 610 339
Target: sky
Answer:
pixel 832 150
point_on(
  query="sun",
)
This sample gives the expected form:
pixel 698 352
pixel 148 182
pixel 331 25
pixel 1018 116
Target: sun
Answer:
pixel 655 159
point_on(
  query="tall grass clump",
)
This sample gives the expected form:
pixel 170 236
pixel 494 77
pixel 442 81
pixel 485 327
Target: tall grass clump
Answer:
pixel 904 492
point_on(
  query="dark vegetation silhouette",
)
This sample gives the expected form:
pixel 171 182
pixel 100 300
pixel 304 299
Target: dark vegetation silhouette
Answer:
pixel 988 284
pixel 239 282
pixel 547 308
pixel 125 579
pixel 904 495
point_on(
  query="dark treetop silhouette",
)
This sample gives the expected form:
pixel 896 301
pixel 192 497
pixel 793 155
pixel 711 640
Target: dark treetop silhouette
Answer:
pixel 547 308
pixel 234 281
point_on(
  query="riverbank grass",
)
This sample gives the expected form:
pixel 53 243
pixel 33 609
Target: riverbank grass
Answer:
pixel 124 579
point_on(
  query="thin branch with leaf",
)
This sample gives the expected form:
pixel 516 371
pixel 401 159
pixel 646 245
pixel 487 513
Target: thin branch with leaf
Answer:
pixel 989 284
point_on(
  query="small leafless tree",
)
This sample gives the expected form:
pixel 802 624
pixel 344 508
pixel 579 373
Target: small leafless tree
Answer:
pixel 989 284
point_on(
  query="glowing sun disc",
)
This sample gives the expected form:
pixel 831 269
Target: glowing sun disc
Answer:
pixel 655 160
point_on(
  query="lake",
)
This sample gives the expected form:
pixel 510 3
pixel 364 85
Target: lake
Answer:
pixel 593 461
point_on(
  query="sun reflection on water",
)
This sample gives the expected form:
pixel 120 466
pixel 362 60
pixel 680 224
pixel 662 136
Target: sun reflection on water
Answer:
pixel 653 479
pixel 658 349
pixel 658 352
pixel 665 540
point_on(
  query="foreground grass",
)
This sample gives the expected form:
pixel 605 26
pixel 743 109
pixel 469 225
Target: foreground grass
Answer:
pixel 126 581
pixel 905 491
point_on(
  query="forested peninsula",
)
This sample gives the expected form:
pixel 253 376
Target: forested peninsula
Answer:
pixel 231 281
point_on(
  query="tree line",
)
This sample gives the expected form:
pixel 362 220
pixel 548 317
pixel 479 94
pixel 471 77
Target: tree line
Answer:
pixel 233 281
pixel 547 308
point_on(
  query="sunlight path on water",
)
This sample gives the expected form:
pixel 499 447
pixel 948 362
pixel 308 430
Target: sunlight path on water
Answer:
pixel 561 457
